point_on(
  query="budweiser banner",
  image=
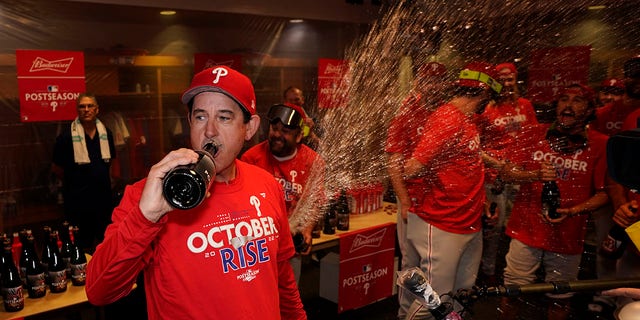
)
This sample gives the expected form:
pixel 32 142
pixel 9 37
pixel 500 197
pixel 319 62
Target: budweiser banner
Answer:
pixel 366 266
pixel 49 83
pixel 202 61
pixel 554 68
pixel 332 84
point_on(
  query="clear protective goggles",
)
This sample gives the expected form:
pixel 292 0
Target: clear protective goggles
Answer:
pixel 290 117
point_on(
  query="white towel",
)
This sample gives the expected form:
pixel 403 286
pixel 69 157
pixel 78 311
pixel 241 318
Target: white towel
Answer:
pixel 80 153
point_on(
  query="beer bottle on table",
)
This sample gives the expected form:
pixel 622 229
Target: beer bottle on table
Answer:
pixel 12 295
pixel 550 199
pixel 57 270
pixel 317 228
pixel 342 212
pixel 34 274
pixel 47 250
pixel 78 263
pixel 330 219
pixel 65 249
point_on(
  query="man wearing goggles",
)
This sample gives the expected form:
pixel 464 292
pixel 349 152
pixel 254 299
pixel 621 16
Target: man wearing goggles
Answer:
pixel 292 164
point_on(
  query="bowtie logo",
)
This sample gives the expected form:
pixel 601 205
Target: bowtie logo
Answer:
pixel 219 72
pixel 41 64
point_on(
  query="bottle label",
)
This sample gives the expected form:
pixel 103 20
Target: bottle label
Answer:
pixel 79 273
pixel 13 298
pixel 58 280
pixel 610 244
pixel 343 222
pixel 36 284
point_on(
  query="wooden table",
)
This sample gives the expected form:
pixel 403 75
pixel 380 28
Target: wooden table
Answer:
pixel 386 214
pixel 51 301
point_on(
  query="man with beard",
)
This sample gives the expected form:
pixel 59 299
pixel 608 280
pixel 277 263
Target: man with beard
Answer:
pixel 499 124
pixel 443 232
pixel 292 164
pixel 574 156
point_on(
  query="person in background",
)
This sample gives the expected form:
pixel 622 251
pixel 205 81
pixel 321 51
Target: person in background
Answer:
pixel 291 163
pixel 499 124
pixel 610 90
pixel 574 156
pixel 227 258
pixel 403 135
pixel 609 118
pixel 295 96
pixel 443 230
pixel 82 158
pixel 623 202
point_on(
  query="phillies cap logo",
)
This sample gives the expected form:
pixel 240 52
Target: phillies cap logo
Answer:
pixel 219 72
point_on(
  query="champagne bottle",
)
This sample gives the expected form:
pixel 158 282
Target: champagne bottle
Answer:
pixel 57 270
pixel 34 274
pixel 78 263
pixel 298 242
pixel 550 199
pixel 614 245
pixel 12 295
pixel 342 212
pixel 186 186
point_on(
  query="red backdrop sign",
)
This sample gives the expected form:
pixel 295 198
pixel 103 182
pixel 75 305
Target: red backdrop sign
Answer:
pixel 202 61
pixel 332 86
pixel 366 266
pixel 49 83
pixel 554 68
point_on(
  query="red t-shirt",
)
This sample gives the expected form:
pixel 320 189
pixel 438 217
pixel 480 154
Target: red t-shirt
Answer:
pixel 225 259
pixel 403 135
pixel 631 122
pixel 579 176
pixel 499 124
pixel 450 150
pixel 609 118
pixel 291 174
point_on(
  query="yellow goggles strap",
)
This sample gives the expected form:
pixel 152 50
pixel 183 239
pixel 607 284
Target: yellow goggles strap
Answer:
pixel 482 77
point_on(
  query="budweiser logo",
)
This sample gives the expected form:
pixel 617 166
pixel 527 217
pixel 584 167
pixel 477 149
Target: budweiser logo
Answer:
pixel 333 69
pixel 373 240
pixel 41 64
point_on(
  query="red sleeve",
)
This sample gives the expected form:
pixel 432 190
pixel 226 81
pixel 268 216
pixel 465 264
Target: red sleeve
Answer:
pixel 125 251
pixel 291 307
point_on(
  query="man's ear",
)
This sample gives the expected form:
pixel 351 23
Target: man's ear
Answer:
pixel 299 136
pixel 252 127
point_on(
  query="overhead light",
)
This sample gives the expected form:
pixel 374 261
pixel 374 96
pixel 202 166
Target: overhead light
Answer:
pixel 296 21
pixel 597 7
pixel 167 12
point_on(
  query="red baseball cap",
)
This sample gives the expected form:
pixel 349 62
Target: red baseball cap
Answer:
pixel 506 65
pixel 479 75
pixel 432 69
pixel 613 83
pixel 579 90
pixel 225 80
